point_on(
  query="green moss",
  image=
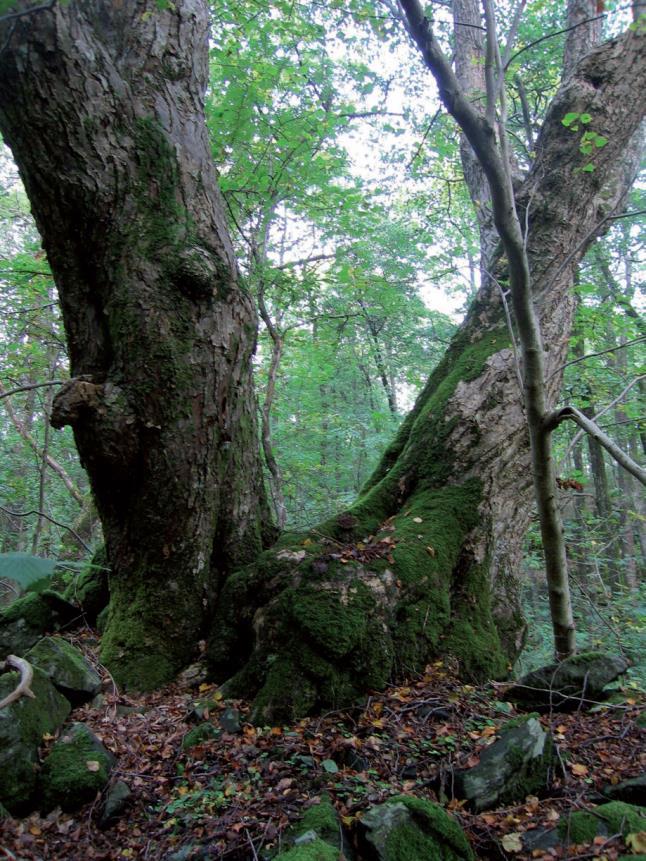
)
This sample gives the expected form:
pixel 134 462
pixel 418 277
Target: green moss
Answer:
pixel 151 628
pixel 287 694
pixel 317 850
pixel 429 832
pixel 67 779
pixel 616 817
pixel 323 819
pixel 22 726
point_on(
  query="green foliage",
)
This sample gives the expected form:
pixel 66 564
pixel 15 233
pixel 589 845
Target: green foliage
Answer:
pixel 24 568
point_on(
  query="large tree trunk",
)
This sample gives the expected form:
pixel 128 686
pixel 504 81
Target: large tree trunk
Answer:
pixel 102 106
pixel 426 561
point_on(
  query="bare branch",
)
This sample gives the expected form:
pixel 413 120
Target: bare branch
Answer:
pixel 51 520
pixel 553 420
pixel 15 391
pixel 598 353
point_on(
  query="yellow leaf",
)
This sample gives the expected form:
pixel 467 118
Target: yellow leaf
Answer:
pixel 636 842
pixel 182 790
pixel 348 820
pixel 579 769
pixel 92 765
pixel 307 542
pixel 561 728
pixel 511 842
pixel 35 830
pixel 203 687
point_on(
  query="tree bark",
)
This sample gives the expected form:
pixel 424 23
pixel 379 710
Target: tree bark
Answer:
pixel 425 563
pixel 102 106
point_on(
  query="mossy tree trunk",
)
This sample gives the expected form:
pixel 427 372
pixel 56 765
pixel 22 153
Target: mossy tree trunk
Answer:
pixel 102 106
pixel 426 562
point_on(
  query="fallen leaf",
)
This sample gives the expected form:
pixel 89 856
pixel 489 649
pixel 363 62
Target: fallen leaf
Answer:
pixel 92 765
pixel 579 769
pixel 511 842
pixel 417 520
pixel 636 842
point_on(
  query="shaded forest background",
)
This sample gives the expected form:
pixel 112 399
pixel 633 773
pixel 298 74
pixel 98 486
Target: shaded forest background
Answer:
pixel 346 202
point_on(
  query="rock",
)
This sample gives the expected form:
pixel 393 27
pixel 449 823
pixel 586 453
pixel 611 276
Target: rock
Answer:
pixel 412 828
pixel 230 721
pixel 576 681
pixel 199 734
pixel 22 726
pixel 89 591
pixel 193 676
pixel 25 620
pixel 516 765
pixel 77 767
pixel 632 791
pixel 66 667
pixel 116 801
pixel 615 817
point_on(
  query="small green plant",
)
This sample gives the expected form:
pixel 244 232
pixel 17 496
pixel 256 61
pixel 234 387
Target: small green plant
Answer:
pixel 590 140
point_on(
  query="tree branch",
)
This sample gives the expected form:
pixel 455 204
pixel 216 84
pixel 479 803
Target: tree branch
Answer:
pixel 553 420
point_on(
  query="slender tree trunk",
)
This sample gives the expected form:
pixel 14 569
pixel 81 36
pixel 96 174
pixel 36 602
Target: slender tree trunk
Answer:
pixel 102 106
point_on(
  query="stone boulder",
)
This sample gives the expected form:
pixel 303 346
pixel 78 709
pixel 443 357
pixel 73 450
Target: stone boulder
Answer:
pixel 89 590
pixel 516 765
pixel 575 682
pixel 116 801
pixel 70 673
pixel 317 836
pixel 22 726
pixel 77 767
pixel 25 620
pixel 407 827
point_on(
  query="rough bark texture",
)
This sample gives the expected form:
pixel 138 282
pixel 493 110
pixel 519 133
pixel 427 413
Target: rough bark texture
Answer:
pixel 102 106
pixel 425 563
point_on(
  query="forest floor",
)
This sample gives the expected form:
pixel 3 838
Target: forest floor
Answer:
pixel 238 793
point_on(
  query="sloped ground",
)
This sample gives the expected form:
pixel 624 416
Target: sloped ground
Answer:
pixel 234 796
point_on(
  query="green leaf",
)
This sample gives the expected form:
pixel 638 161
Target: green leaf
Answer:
pixel 24 568
pixel 585 118
pixel 570 118
pixel 330 766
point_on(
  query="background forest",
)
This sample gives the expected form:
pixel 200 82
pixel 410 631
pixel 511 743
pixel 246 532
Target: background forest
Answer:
pixel 356 237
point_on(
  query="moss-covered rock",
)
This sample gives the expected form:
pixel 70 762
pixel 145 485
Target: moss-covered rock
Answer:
pixel 405 828
pixel 199 734
pixel 22 726
pixel 575 682
pixel 314 850
pixel 89 588
pixel 66 667
pixel 518 764
pixel 632 791
pixel 25 620
pixel 615 817
pixel 77 767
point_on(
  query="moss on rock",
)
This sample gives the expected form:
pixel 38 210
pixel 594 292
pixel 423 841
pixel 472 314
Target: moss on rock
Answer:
pixel 66 667
pixel 405 828
pixel 316 850
pixel 615 817
pixel 77 767
pixel 22 726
